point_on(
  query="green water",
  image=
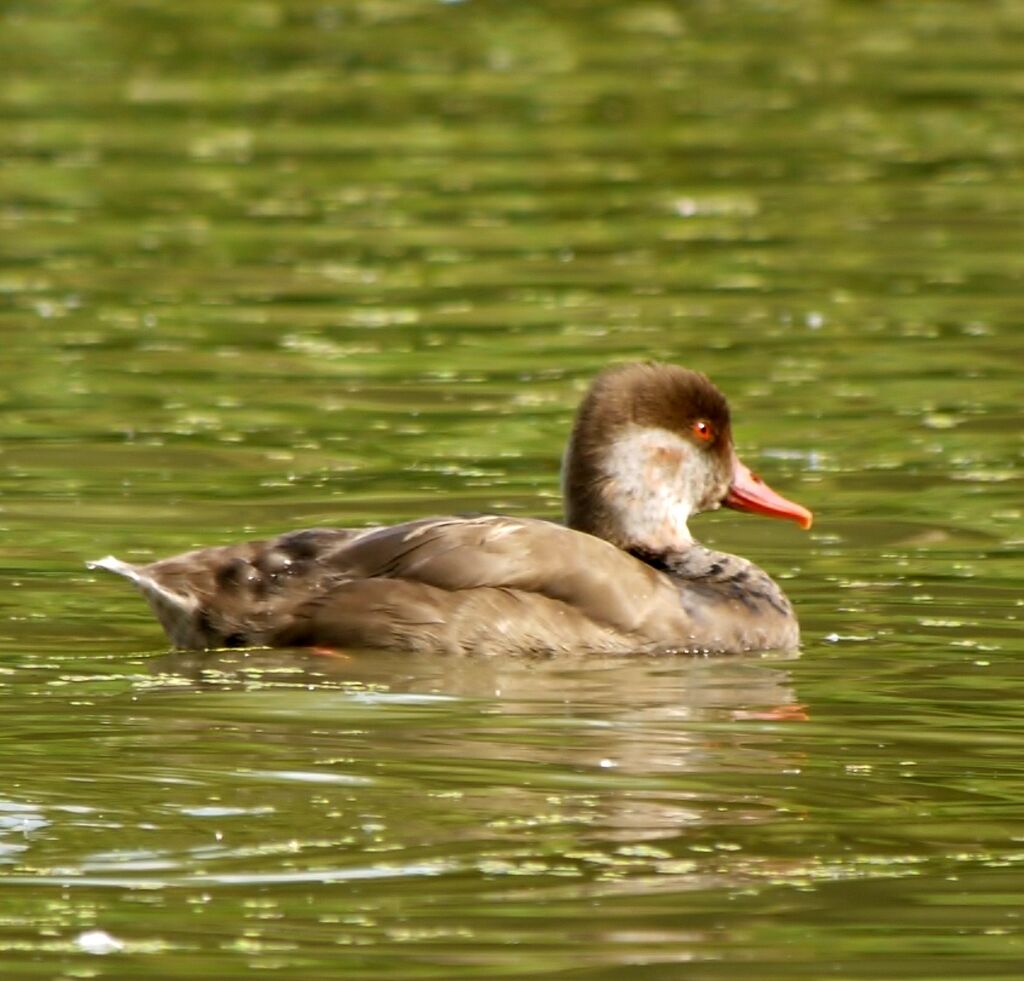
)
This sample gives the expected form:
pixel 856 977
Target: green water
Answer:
pixel 272 264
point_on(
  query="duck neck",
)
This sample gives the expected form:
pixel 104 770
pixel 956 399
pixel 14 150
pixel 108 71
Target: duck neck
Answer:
pixel 633 493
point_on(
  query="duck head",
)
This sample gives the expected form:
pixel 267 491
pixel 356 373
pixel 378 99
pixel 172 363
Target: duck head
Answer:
pixel 652 445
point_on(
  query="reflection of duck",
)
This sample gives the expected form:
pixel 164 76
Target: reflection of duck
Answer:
pixel 651 445
pixel 654 697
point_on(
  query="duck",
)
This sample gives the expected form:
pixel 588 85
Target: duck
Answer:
pixel 651 446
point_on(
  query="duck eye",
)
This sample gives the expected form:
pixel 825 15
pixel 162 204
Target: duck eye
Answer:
pixel 703 430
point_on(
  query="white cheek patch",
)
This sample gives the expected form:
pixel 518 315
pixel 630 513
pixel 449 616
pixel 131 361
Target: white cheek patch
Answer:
pixel 651 486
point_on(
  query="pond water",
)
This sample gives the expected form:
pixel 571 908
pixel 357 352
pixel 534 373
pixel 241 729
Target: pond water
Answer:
pixel 277 264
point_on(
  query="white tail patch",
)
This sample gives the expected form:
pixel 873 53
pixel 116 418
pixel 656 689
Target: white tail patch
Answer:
pixel 175 612
pixel 112 564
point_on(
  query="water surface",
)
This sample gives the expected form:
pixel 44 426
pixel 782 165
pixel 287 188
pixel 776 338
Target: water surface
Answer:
pixel 271 265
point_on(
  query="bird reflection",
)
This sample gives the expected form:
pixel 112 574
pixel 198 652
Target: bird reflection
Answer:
pixel 605 752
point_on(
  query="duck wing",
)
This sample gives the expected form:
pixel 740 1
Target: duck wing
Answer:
pixel 447 584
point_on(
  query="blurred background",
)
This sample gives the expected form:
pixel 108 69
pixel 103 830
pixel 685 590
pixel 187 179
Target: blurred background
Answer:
pixel 272 264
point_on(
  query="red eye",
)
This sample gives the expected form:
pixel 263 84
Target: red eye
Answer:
pixel 703 430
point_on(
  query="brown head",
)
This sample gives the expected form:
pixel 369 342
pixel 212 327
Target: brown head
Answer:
pixel 651 445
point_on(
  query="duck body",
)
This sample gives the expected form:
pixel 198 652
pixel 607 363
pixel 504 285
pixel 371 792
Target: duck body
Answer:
pixel 457 585
pixel 625 576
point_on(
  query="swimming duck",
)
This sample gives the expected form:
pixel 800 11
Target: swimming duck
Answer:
pixel 651 446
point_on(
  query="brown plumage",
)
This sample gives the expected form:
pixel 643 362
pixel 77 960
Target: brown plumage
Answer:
pixel 651 445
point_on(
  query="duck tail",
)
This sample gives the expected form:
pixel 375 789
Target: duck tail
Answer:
pixel 178 614
pixel 115 565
